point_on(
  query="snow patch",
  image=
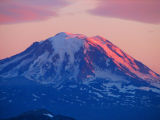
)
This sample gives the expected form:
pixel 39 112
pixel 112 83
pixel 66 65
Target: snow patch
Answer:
pixel 9 101
pixel 36 96
pixel 108 75
pixel 98 94
pixel 73 86
pixel 49 115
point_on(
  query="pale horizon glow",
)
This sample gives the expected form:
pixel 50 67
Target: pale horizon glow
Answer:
pixel 140 40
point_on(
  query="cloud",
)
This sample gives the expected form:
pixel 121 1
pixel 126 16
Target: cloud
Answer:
pixel 16 11
pixel 147 11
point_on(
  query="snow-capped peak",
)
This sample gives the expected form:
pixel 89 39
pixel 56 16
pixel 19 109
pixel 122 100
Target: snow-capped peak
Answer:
pixel 62 34
pixel 70 35
pixel 67 43
pixel 74 55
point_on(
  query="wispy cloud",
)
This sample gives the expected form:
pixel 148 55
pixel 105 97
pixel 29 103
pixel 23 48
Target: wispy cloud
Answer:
pixel 147 11
pixel 29 10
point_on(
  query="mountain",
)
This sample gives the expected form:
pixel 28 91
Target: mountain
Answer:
pixel 79 76
pixel 40 114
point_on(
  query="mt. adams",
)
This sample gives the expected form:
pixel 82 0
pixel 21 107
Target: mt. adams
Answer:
pixel 99 73
pixel 76 56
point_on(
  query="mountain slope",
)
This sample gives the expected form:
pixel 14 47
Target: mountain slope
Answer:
pixel 87 76
pixel 41 114
pixel 67 51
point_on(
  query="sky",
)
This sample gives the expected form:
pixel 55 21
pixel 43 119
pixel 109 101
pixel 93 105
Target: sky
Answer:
pixel 132 25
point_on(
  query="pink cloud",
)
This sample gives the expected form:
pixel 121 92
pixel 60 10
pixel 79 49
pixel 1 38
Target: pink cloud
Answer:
pixel 29 10
pixel 138 10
